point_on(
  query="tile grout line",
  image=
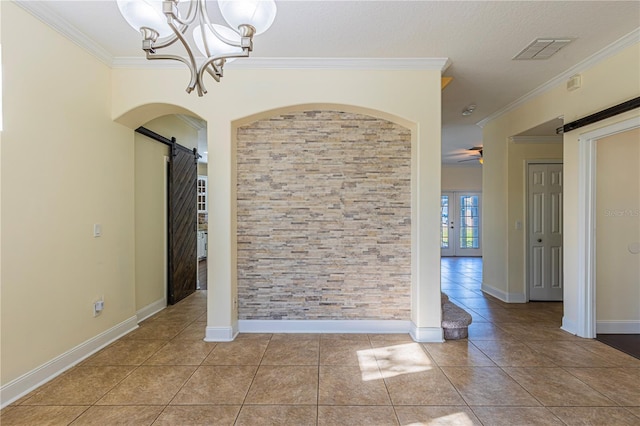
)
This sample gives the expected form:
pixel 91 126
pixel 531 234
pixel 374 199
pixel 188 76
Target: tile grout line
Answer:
pixel 255 374
pixel 188 378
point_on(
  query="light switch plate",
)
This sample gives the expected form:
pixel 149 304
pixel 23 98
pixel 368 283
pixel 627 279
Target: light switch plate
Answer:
pixel 97 230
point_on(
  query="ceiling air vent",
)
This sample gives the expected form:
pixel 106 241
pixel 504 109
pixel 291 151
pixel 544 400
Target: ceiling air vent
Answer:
pixel 542 48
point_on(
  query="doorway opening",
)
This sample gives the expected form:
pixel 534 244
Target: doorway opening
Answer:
pixel 203 226
pixel 587 218
pixel 180 217
pixel 460 224
pixel 618 241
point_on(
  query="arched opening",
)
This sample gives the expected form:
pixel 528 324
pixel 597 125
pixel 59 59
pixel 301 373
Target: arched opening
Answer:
pixel 168 222
pixel 317 322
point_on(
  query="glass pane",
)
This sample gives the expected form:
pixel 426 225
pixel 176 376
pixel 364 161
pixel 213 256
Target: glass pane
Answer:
pixel 469 229
pixel 444 221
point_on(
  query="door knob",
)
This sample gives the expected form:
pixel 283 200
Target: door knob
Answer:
pixel 539 240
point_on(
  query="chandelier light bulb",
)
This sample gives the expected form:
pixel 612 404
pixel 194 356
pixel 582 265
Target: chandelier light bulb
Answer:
pixel 216 46
pixel 258 13
pixel 145 13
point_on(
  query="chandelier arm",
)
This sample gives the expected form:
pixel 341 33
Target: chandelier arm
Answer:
pixel 166 43
pixel 213 71
pixel 152 56
pixel 210 62
pixel 171 19
pixel 201 87
pixel 191 14
pixel 215 76
pixel 193 67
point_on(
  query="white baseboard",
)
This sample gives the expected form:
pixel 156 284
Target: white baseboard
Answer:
pixel 324 326
pixel 151 309
pixel 569 326
pixel 516 298
pixel 427 334
pixel 492 291
pixel 618 327
pixel 24 384
pixel 503 295
pixel 220 334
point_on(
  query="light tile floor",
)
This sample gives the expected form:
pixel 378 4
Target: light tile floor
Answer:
pixel 516 368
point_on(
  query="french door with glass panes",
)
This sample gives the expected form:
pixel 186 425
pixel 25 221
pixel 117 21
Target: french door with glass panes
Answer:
pixel 460 224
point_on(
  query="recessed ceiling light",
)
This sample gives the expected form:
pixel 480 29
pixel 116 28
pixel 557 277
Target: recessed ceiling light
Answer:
pixel 543 48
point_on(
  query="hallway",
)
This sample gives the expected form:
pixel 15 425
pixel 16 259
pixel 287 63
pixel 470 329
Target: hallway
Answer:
pixel 516 368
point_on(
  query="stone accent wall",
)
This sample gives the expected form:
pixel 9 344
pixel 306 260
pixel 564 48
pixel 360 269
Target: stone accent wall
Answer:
pixel 324 217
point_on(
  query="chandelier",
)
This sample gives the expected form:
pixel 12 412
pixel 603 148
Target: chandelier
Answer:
pixel 165 22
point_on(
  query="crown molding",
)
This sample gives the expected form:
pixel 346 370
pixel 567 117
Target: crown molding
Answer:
pixel 536 139
pixel 61 25
pixel 141 62
pixel 192 122
pixel 440 64
pixel 616 47
pixel 44 13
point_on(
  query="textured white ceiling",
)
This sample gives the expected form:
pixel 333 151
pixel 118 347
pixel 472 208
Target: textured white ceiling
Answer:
pixel 479 38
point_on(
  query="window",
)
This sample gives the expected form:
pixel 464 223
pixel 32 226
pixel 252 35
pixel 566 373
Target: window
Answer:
pixel 469 222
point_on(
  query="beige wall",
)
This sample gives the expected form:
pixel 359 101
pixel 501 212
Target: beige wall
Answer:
pixel 408 96
pixel 618 227
pixel 599 91
pixel 202 169
pixel 150 220
pixel 65 166
pixel 461 178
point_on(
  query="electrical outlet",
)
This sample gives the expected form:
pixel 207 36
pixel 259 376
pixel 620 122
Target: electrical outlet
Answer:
pixel 98 306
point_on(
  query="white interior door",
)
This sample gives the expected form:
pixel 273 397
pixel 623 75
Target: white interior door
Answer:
pixel 460 214
pixel 544 251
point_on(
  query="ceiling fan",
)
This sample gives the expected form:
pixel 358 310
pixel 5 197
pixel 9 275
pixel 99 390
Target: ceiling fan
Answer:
pixel 477 157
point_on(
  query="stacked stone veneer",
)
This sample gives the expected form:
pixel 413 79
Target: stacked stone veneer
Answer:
pixel 324 229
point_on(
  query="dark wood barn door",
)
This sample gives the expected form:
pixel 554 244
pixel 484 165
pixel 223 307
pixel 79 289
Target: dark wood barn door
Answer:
pixel 183 216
